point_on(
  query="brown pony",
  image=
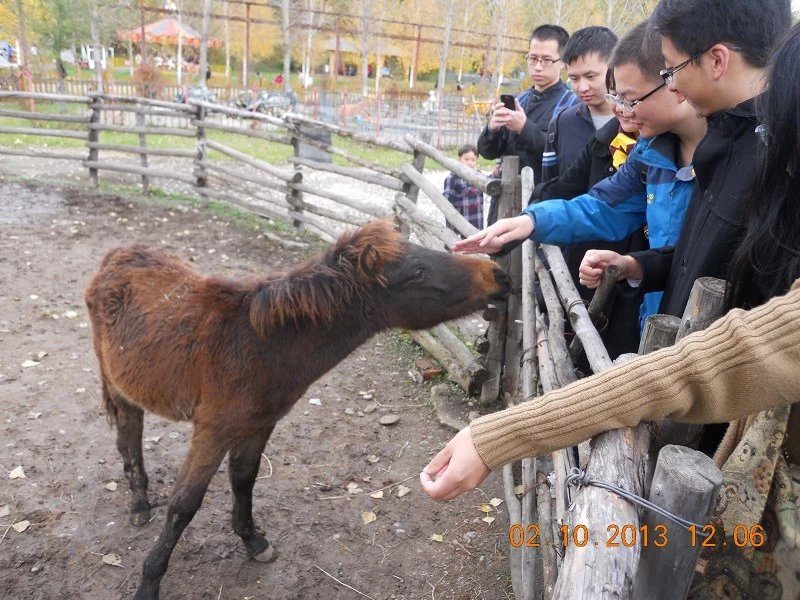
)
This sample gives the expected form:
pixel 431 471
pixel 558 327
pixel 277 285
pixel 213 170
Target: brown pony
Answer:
pixel 234 356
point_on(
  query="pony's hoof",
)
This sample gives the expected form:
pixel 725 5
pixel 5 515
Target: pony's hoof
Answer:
pixel 141 518
pixel 268 555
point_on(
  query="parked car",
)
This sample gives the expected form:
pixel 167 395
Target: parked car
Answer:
pixel 195 92
pixel 269 103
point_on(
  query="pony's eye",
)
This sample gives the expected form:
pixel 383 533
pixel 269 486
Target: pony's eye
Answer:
pixel 420 273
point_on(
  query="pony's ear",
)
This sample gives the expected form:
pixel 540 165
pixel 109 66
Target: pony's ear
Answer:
pixel 369 262
pixel 402 227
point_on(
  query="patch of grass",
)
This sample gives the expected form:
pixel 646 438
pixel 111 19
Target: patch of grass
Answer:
pixel 403 348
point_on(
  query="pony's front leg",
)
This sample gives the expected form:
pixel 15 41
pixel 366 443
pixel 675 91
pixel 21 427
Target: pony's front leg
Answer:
pixel 203 460
pixel 244 462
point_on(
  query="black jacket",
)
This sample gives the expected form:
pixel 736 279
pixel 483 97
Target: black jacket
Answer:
pixel 529 143
pixel 567 136
pixel 593 164
pixel 725 166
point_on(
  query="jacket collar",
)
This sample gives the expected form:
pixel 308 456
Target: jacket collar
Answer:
pixel 557 89
pixel 746 111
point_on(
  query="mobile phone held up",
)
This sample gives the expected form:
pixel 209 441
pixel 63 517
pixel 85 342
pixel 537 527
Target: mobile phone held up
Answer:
pixel 508 101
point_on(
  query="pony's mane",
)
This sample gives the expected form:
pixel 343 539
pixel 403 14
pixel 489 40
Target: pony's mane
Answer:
pixel 317 290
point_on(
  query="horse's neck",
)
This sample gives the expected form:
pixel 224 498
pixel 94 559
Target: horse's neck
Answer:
pixel 345 334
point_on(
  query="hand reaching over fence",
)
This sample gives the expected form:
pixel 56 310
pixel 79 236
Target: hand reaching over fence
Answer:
pixel 595 263
pixel 456 469
pixel 493 238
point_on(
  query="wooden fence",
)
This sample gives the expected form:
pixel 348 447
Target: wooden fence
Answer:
pixel 388 114
pixel 522 353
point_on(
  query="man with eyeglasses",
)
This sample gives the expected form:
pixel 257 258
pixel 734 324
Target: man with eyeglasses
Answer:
pixel 717 63
pixel 522 131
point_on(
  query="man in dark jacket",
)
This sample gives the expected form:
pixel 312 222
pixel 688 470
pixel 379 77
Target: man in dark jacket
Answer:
pixel 586 56
pixel 521 132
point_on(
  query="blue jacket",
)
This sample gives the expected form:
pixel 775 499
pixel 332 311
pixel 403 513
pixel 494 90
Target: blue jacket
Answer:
pixel 649 188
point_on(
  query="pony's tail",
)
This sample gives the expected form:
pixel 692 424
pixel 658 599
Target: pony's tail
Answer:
pixel 108 404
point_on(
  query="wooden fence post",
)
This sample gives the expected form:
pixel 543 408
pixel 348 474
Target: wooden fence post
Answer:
pixel 659 332
pixel 140 123
pixel 293 195
pixel 499 323
pixel 705 305
pixel 201 174
pixel 411 190
pixel 513 266
pixel 686 483
pixel 94 137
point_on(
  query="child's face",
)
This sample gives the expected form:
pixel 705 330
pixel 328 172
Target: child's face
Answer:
pixel 469 159
pixel 659 112
pixel 588 77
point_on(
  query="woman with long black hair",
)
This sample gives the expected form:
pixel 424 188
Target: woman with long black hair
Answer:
pixel 767 261
pixel 748 361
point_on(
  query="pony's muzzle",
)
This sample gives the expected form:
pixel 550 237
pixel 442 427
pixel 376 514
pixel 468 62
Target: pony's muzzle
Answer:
pixel 504 281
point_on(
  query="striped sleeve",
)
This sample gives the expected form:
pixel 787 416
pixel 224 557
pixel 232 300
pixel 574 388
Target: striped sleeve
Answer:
pixel 746 362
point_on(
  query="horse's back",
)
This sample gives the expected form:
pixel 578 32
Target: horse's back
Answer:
pixel 144 323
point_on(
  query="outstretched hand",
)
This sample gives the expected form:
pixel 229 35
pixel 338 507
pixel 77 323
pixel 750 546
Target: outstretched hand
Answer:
pixel 458 468
pixel 493 238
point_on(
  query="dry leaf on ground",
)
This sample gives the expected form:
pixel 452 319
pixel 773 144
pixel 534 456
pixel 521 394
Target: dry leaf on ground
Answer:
pixel 21 526
pixel 17 473
pixel 112 559
pixel 368 517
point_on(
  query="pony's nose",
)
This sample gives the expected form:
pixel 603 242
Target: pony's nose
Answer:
pixel 503 280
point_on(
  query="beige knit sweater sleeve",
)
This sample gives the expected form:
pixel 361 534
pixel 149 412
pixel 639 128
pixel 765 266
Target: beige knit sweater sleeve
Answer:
pixel 746 362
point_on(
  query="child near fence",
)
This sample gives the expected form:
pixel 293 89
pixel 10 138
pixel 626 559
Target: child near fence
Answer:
pixel 465 198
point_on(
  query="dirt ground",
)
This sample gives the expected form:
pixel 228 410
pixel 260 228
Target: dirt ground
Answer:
pixel 75 496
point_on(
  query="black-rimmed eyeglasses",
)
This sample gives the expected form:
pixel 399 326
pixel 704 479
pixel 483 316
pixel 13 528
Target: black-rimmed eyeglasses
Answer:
pixel 668 75
pixel 545 61
pixel 630 106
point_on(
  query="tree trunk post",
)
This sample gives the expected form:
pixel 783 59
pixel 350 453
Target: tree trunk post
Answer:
pixel 411 190
pixel 94 137
pixel 201 174
pixel 140 123
pixel 705 305
pixel 497 328
pixel 686 483
pixel 659 332
pixel 294 196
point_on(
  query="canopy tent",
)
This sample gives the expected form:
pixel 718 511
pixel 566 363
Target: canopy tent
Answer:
pixel 167 31
pixel 376 46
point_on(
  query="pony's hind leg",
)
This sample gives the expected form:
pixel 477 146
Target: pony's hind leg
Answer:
pixel 244 461
pixel 130 421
